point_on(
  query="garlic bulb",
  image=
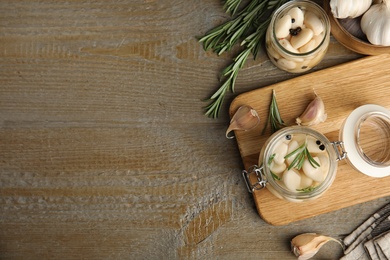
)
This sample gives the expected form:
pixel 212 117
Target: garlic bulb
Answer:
pixel 349 8
pixel 375 23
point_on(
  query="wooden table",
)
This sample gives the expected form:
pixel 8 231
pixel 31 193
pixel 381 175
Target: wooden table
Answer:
pixel 104 149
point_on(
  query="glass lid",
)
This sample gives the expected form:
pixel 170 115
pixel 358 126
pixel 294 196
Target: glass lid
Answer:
pixel 366 138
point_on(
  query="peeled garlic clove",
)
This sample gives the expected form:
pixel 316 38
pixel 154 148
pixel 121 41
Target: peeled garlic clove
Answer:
pixel 280 151
pixel 314 173
pixel 293 145
pixel 286 64
pixel 287 45
pixel 292 180
pixel 296 17
pixel 314 23
pixel 308 46
pixel 277 168
pixel 305 182
pixel 324 162
pixel 282 27
pixel 313 114
pixel 314 145
pixel 245 119
pixel 306 245
pixel 302 38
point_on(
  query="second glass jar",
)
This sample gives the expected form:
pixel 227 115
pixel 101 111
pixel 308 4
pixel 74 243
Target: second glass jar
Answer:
pixel 298 36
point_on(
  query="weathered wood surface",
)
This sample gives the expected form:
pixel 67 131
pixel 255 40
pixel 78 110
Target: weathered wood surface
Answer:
pixel 104 149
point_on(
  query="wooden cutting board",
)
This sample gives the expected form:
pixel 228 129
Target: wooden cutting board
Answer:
pixel 342 88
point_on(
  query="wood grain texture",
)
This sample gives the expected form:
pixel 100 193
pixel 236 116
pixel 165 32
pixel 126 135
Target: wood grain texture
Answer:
pixel 338 88
pixel 104 149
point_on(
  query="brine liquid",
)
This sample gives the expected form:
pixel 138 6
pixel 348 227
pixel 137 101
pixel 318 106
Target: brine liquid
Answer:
pixel 299 162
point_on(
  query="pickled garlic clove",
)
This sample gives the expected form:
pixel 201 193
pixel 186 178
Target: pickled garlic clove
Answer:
pixel 245 118
pixel 292 180
pixel 314 173
pixel 282 27
pixel 297 17
pixel 280 152
pixel 313 114
pixel 313 22
pixel 305 182
pixel 324 162
pixel 277 168
pixel 293 145
pixel 302 38
pixel 306 245
pixel 314 145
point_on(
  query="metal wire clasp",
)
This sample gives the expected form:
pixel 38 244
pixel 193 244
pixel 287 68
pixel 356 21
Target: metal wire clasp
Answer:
pixel 261 180
pixel 338 146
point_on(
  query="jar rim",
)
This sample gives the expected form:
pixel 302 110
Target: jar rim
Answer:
pixel 350 136
pixel 294 3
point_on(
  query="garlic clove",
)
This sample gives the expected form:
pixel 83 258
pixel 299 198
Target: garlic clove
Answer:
pixel 315 146
pixel 297 17
pixel 277 168
pixel 313 114
pixel 280 151
pixel 293 145
pixel 314 173
pixel 305 182
pixel 314 23
pixel 245 119
pixel 302 38
pixel 306 245
pixel 282 27
pixel 292 180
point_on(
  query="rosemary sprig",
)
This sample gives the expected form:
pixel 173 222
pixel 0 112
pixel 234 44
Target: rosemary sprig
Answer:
pixel 223 37
pixel 307 189
pixel 250 24
pixel 231 6
pixel 301 153
pixel 270 159
pixel 274 117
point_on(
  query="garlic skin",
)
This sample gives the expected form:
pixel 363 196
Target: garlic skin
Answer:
pixel 349 8
pixel 313 114
pixel 245 119
pixel 306 245
pixel 375 23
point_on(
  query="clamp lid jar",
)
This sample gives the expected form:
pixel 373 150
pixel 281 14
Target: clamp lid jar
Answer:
pixel 299 164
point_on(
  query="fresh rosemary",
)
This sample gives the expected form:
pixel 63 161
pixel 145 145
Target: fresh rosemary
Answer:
pixel 274 118
pixel 301 153
pixel 250 24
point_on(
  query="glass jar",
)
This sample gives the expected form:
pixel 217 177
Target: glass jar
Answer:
pixel 298 36
pixel 364 142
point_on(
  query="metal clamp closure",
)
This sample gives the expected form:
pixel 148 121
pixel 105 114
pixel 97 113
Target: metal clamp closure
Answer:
pixel 338 146
pixel 261 180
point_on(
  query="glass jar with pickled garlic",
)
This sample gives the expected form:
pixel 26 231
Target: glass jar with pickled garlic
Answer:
pixel 298 163
pixel 298 36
